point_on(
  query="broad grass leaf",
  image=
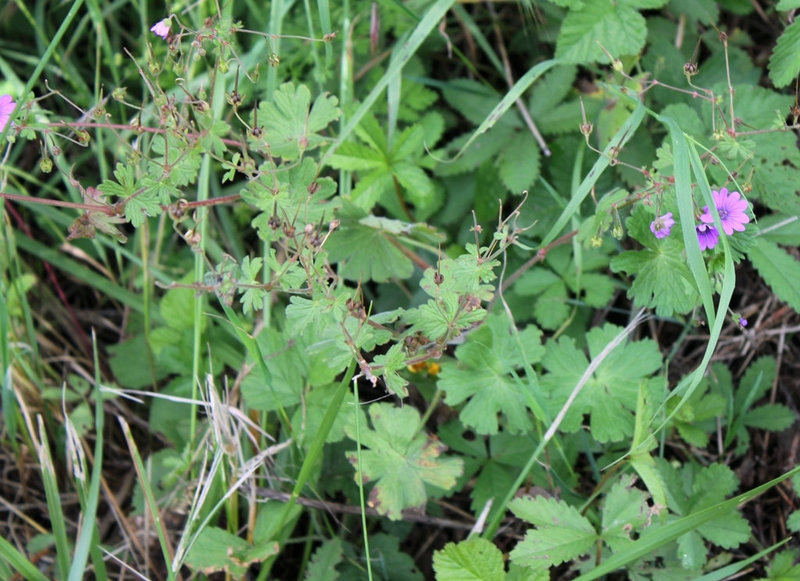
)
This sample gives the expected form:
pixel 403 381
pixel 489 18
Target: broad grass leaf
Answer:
pixel 616 26
pixel 474 559
pixel 784 64
pixel 778 269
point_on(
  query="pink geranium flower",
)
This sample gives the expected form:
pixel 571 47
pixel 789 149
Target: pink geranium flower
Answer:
pixel 7 106
pixel 161 28
pixel 731 208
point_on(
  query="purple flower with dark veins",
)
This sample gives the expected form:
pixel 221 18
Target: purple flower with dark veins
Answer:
pixel 707 236
pixel 662 225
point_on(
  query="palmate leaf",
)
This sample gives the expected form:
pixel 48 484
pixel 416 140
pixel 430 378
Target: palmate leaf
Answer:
pixel 561 532
pixel 610 395
pixel 289 127
pixel 474 559
pixel 367 248
pixel 483 376
pixel 401 459
pixel 616 26
pixel 662 278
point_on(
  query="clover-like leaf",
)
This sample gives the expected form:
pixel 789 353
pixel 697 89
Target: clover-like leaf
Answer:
pixel 401 459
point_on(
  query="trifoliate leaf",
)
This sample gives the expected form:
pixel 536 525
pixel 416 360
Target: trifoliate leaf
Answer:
pixel 784 64
pixel 561 532
pixel 474 559
pixel 401 459
pixel 392 362
pixel 483 376
pixel 615 26
pixel 778 269
pixel 610 394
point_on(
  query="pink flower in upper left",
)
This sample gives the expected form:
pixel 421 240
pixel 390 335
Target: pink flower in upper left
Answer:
pixel 7 105
pixel 161 28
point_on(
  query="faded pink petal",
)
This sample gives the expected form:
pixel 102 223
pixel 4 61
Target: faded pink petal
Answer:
pixel 7 106
pixel 162 27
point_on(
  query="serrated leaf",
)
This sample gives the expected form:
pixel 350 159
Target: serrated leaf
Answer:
pixel 615 26
pixel 393 361
pixel 322 566
pixel 772 416
pixel 561 533
pixel 778 269
pixel 401 459
pixel 662 278
pixel 474 559
pixel 784 64
pixel 519 163
pixel 551 308
pixel 216 549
